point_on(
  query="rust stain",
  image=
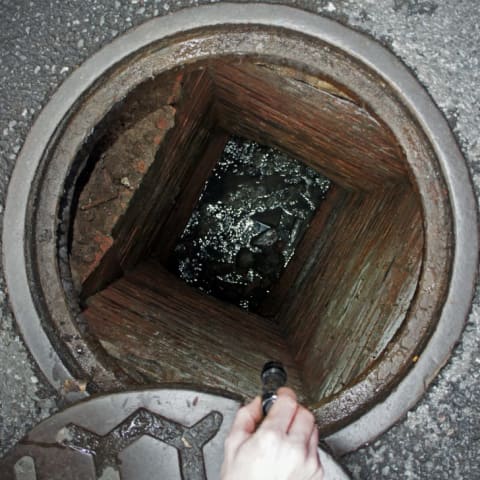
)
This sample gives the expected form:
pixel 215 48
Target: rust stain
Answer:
pixel 140 166
pixel 163 123
pixel 74 385
pixel 177 90
pixel 103 243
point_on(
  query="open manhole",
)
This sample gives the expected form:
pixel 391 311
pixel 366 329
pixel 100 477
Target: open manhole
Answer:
pixel 239 183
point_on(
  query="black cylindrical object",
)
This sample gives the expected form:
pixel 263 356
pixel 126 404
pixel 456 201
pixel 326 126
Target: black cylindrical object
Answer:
pixel 273 377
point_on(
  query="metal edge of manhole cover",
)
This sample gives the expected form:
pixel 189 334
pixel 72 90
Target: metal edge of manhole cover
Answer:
pixel 161 433
pixel 461 204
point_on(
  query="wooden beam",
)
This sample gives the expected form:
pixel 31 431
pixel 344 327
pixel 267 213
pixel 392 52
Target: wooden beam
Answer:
pixel 161 330
pixel 165 239
pixel 283 291
pixel 332 134
pixel 356 288
pixel 172 159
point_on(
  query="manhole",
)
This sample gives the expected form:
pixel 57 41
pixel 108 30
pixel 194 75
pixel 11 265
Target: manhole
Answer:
pixel 365 302
pixel 166 433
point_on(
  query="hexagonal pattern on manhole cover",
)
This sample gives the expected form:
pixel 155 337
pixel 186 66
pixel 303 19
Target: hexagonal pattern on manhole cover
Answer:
pixel 142 435
pixel 166 433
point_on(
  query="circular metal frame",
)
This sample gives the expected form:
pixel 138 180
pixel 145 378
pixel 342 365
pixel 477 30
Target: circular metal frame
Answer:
pixel 17 227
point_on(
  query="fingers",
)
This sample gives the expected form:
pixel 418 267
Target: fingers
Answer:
pixel 285 391
pixel 248 417
pixel 244 425
pixel 282 412
pixel 313 458
pixel 302 426
pixel 284 445
pixel 313 445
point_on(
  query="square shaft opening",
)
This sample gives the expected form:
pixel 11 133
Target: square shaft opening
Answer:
pixel 328 313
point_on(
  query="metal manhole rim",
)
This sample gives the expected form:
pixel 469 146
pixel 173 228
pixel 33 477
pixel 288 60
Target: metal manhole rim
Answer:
pixel 456 175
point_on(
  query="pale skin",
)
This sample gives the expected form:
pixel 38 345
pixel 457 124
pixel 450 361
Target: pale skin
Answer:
pixel 281 447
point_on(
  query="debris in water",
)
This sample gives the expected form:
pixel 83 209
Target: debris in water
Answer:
pixel 253 211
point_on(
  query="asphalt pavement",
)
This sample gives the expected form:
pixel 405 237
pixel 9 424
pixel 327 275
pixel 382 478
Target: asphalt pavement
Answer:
pixel 42 42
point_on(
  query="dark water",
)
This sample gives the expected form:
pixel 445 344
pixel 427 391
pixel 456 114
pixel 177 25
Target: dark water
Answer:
pixel 253 211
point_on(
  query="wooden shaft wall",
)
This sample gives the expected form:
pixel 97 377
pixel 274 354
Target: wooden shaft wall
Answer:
pixel 330 133
pixel 176 162
pixel 349 286
pixel 355 288
pixel 161 330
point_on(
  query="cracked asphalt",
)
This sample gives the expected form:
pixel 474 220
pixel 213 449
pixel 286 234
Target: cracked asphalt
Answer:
pixel 43 41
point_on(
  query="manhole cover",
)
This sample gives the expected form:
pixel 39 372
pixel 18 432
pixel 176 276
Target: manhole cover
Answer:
pixel 174 434
pixel 191 153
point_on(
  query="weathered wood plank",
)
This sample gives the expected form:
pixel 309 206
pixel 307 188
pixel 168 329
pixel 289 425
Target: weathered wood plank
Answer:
pixel 361 278
pixel 121 150
pixel 330 133
pixel 283 292
pixel 161 330
pixel 163 180
pixel 175 161
pixel 167 235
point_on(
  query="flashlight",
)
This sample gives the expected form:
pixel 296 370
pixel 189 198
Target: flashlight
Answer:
pixel 273 377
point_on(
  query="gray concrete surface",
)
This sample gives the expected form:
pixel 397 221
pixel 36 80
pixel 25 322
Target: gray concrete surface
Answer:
pixel 43 41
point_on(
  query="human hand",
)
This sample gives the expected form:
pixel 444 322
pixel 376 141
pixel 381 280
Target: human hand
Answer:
pixel 283 447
